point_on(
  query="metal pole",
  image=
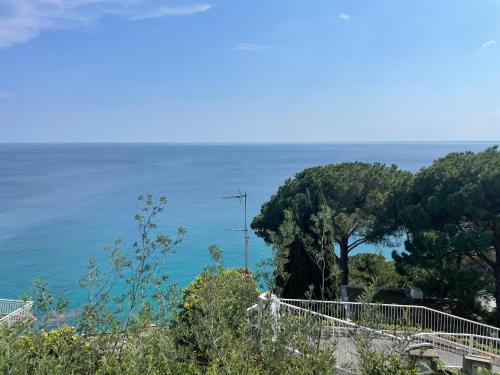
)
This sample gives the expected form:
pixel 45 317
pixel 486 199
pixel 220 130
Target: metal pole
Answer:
pixel 246 235
pixel 245 229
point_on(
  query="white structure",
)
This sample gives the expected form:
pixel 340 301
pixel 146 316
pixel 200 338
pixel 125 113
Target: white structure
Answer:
pixel 390 325
pixel 14 311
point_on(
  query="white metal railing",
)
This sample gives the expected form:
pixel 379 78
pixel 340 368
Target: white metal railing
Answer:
pixel 339 333
pixel 13 311
pixel 461 344
pixel 392 326
pixel 394 317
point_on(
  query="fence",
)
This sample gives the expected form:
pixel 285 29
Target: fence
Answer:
pixel 14 311
pixel 339 333
pixel 453 346
pixel 393 317
pixel 391 326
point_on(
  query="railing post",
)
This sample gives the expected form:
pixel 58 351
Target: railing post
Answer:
pixel 471 343
pixel 272 302
pixel 275 310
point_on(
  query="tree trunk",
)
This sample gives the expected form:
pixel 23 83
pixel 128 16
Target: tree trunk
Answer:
pixel 344 262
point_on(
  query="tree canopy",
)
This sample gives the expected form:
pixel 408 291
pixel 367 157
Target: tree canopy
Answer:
pixel 373 269
pixel 353 193
pixel 451 211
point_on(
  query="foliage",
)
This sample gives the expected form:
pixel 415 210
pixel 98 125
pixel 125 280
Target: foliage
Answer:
pixel 213 324
pixel 213 311
pixel 134 322
pixel 46 304
pixel 64 351
pixel 56 350
pixel 353 195
pixel 136 291
pixel 373 269
pixel 290 348
pixel 451 211
pixel 373 363
pixel 377 354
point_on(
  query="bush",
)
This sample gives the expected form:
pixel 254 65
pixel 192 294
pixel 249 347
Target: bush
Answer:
pixel 213 311
pixel 57 351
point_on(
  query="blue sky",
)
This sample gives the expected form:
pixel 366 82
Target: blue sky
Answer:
pixel 261 70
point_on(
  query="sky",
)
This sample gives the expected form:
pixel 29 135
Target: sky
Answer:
pixel 249 71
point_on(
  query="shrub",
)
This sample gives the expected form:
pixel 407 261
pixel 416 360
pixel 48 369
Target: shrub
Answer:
pixel 213 311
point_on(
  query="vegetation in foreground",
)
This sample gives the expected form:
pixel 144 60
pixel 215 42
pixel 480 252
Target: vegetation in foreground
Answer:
pixel 135 321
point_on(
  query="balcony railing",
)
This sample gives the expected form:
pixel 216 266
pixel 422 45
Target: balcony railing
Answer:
pixel 390 327
pixel 15 311
pixel 420 318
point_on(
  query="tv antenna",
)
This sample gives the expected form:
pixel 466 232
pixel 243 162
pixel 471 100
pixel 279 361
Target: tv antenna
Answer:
pixel 242 197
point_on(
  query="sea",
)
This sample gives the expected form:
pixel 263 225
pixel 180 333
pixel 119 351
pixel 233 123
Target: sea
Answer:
pixel 62 204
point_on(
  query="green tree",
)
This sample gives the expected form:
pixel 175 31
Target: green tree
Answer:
pixel 373 269
pixel 451 211
pixel 355 195
pixel 136 293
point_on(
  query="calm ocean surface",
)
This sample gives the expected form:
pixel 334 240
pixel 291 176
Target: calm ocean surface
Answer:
pixel 61 204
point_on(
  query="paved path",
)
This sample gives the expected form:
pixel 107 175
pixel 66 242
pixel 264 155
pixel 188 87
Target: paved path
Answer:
pixel 346 353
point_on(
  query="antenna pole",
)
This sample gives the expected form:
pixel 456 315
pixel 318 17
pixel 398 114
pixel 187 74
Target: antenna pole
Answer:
pixel 246 235
pixel 243 196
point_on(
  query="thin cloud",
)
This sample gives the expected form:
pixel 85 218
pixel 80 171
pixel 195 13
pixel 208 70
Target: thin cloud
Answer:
pixel 344 16
pixel 251 47
pixel 6 95
pixel 177 11
pixel 23 20
pixel 489 43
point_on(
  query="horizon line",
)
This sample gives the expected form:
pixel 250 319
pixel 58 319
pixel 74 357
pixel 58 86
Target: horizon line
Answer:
pixel 247 142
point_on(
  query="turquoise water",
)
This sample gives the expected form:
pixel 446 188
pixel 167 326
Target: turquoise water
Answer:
pixel 61 204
